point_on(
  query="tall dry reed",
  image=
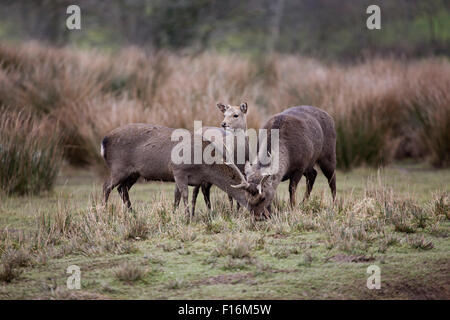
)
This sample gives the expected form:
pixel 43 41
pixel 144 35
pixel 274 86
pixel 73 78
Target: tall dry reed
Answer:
pixel 29 154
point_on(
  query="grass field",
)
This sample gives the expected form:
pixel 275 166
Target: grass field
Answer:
pixel 396 218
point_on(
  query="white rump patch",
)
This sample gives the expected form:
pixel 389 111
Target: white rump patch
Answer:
pixel 102 150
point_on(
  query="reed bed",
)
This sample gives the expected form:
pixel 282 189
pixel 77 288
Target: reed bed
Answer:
pixel 384 109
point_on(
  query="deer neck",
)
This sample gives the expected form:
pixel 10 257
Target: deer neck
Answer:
pixel 283 167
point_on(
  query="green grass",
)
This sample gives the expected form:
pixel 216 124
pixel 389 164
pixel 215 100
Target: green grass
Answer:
pixel 224 255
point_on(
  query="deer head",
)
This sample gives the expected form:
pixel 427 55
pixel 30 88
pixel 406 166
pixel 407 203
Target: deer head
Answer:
pixel 257 184
pixel 235 117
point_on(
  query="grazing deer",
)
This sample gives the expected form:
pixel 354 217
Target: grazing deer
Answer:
pixel 306 137
pixel 223 175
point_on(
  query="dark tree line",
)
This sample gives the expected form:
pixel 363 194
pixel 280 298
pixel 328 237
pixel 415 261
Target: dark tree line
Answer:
pixel 324 28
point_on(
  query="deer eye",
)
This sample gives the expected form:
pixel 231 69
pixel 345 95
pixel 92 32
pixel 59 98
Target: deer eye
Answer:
pixel 236 116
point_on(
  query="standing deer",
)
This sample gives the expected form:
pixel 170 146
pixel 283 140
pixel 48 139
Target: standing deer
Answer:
pixel 235 119
pixel 306 137
pixel 143 150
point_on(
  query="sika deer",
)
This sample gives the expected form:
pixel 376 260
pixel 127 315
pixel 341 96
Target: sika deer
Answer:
pixel 235 119
pixel 306 137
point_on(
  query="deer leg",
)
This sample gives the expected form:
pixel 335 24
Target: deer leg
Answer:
pixel 206 188
pixel 185 196
pixel 110 184
pixel 106 191
pixel 329 170
pixel 310 175
pixel 295 179
pixel 123 192
pixel 269 211
pixel 123 189
pixel 182 184
pixel 194 199
pixel 230 198
pixel 177 198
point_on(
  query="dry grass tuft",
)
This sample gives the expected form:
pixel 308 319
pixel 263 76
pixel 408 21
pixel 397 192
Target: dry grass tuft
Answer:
pixel 129 272
pixel 442 206
pixel 419 242
pixel 235 246
pixel 8 272
pixel 30 156
pixel 11 260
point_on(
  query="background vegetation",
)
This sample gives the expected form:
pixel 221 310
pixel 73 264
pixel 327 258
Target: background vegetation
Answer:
pixel 384 108
pixel 170 62
pixel 325 29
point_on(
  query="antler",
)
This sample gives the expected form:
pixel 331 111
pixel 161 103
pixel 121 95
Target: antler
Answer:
pixel 244 183
pixel 231 164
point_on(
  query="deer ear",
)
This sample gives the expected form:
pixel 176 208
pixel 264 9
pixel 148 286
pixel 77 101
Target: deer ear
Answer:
pixel 222 107
pixel 244 107
pixel 263 181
